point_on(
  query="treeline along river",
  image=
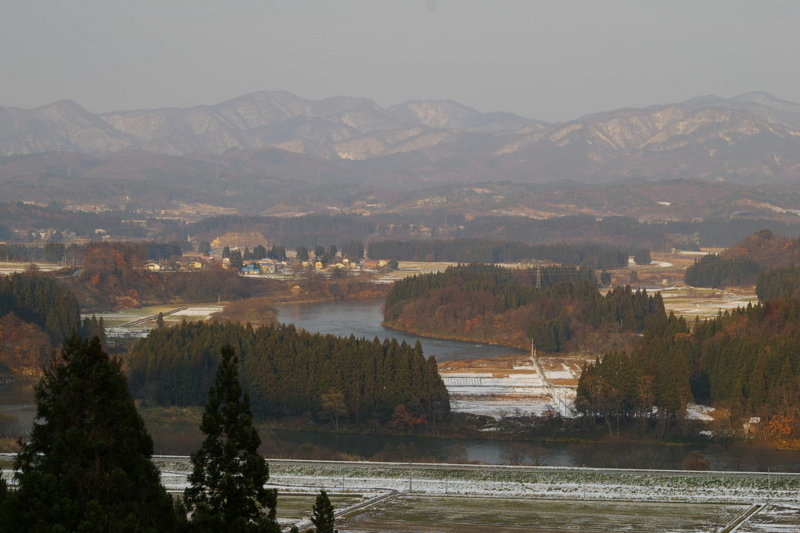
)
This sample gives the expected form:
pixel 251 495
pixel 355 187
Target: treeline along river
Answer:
pixel 363 319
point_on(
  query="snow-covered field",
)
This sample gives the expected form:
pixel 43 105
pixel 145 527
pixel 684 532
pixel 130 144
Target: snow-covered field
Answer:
pixel 515 386
pixel 677 501
pixel 138 322
pixel 773 518
pixel 699 412
pixel 540 482
pixel 449 514
pixel 657 264
pixel 512 385
pixel 198 313
pixel 562 499
pixel 705 303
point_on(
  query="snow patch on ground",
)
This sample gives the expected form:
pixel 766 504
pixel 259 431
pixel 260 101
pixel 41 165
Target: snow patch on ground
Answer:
pixel 197 312
pixel 514 389
pixel 661 264
pixel 558 374
pixel 774 518
pixel 137 333
pixel 699 412
pixel 541 482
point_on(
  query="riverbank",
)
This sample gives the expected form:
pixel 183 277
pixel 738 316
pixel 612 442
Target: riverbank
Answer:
pixel 457 428
pixel 463 438
pixel 394 326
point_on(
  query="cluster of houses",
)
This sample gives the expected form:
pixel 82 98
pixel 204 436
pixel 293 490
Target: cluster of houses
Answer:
pixel 290 268
pixel 25 235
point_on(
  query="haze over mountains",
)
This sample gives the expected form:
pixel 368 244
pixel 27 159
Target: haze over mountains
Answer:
pixel 752 138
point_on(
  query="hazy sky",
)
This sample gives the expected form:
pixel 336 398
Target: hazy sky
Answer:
pixel 551 60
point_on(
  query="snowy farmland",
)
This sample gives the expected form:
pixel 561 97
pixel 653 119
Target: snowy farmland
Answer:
pixel 512 385
pixel 518 385
pixel 137 323
pixel 458 514
pixel 393 497
pixel 398 497
pixel 691 302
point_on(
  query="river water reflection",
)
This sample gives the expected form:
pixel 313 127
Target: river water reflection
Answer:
pixel 362 319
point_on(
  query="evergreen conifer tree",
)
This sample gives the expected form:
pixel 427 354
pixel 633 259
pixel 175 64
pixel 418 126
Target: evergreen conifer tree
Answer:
pixel 322 516
pixel 226 487
pixel 87 464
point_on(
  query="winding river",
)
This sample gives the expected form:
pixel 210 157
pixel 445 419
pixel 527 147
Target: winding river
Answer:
pixel 363 319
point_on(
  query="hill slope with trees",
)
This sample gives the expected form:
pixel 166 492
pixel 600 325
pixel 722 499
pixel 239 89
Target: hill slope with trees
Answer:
pixel 486 303
pixel 746 362
pixel 482 251
pixel 290 373
pixel 741 264
pixel 36 314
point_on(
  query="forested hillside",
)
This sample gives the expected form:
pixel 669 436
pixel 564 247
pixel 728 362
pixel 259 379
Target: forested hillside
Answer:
pixel 767 249
pixel 715 271
pixel 40 300
pixel 290 373
pixel 747 361
pixel 480 251
pixel 741 263
pixel 625 231
pixel 36 314
pixel 779 283
pixel 22 216
pixel 504 306
pixel 310 231
pixel 415 223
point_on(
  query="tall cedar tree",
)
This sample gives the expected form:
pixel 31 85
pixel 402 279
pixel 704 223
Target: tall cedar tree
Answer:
pixel 322 516
pixel 87 464
pixel 226 488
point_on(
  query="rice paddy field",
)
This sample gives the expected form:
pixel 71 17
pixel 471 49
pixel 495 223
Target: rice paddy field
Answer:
pixel 773 518
pixel 407 514
pixel 449 498
pixel 138 322
pixel 294 507
pixel 691 302
pixel 512 385
pixel 405 498
pixel 173 313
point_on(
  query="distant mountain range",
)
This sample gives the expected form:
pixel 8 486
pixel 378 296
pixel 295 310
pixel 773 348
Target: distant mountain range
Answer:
pixel 752 138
